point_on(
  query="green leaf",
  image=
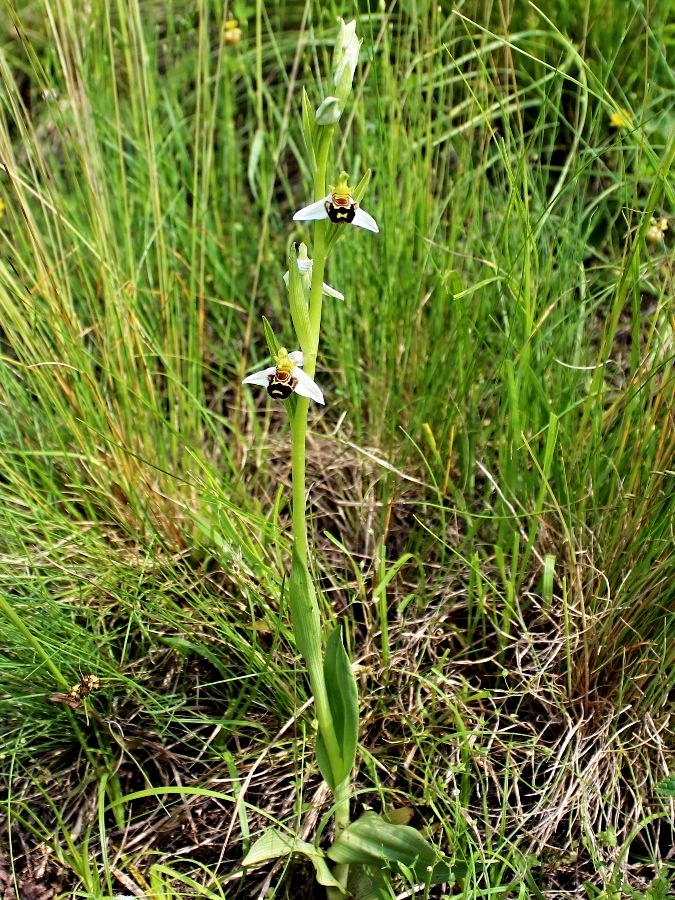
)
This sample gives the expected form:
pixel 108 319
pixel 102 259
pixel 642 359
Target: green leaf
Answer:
pixel 304 613
pixel 275 844
pixel 368 883
pixel 666 787
pixel 372 841
pixel 360 188
pixel 257 146
pixel 344 707
pixel 325 767
pixel 271 338
pixel 308 129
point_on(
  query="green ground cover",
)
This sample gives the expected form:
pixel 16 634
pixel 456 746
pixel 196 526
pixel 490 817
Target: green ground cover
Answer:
pixel 490 481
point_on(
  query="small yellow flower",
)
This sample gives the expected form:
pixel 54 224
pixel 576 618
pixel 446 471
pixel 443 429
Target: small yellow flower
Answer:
pixel 621 118
pixel 2 207
pixel 231 32
pixel 657 230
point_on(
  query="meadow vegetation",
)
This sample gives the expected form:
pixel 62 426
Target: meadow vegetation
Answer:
pixel 490 481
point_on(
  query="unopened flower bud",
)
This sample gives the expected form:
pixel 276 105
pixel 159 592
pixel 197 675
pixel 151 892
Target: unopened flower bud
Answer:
pixel 345 58
pixel 329 111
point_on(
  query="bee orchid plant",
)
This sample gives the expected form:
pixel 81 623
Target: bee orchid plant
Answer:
pixel 368 851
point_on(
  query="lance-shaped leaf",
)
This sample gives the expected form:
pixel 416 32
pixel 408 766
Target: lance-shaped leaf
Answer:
pixel 304 613
pixel 371 841
pixel 309 129
pixel 275 844
pixel 257 147
pixel 344 707
pixel 271 338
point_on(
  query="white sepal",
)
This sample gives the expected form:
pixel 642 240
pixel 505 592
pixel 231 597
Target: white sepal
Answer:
pixel 326 288
pixel 364 220
pixel 261 378
pixel 331 292
pixel 312 212
pixel 306 387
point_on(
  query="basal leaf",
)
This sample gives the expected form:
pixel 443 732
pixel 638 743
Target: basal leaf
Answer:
pixel 372 841
pixel 369 883
pixel 275 844
pixel 666 787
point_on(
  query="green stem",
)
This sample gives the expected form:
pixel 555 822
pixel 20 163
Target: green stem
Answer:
pixel 298 435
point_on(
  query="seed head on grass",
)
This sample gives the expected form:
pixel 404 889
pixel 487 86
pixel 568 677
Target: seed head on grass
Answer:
pixel 656 232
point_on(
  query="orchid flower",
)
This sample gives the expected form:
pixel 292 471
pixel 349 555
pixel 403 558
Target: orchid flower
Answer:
pixel 339 206
pixel 305 269
pixel 286 376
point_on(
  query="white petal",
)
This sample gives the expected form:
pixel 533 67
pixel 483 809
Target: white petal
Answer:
pixel 306 387
pixel 260 378
pixel 365 220
pixel 313 211
pixel 331 292
pixel 297 357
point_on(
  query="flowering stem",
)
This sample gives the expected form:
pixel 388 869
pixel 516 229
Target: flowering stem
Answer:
pixel 319 253
pixel 299 436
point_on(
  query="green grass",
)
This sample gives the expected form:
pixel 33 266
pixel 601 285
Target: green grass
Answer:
pixel 490 482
